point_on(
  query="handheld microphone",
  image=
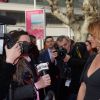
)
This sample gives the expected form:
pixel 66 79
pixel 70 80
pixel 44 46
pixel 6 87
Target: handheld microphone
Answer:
pixel 42 69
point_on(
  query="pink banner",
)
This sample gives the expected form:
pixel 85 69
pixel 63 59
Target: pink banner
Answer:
pixel 35 23
pixel 3 0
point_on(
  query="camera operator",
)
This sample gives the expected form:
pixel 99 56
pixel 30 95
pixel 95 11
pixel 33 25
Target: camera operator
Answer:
pixel 75 62
pixel 63 48
pixel 7 68
pixel 24 86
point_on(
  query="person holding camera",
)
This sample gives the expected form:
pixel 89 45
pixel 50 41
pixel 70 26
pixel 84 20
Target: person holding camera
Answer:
pixel 24 85
pixel 63 48
pixel 7 68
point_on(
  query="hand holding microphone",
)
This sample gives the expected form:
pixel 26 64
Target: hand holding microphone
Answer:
pixel 45 79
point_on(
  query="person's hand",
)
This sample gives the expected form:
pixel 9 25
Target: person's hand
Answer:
pixel 66 59
pixel 43 82
pixel 13 53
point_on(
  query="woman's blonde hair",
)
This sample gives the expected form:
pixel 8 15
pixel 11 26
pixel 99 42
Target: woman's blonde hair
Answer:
pixel 94 29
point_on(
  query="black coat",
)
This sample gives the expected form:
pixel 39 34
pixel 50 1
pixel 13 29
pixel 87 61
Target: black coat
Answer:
pixel 79 56
pixel 77 66
pixel 6 72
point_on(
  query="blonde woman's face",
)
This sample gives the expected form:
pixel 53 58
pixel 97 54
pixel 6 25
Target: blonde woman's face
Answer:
pixel 94 41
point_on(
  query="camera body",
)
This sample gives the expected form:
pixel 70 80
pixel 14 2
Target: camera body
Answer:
pixel 62 52
pixel 24 45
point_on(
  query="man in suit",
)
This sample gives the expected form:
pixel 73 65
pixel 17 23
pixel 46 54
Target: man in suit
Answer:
pixel 47 55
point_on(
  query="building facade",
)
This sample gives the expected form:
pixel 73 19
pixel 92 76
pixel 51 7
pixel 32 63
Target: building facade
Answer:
pixel 54 27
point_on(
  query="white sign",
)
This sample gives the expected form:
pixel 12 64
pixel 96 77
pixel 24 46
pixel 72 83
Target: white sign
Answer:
pixel 42 66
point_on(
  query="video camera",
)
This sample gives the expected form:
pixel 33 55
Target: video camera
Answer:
pixel 61 51
pixel 24 45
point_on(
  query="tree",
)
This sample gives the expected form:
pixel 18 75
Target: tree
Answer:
pixel 78 26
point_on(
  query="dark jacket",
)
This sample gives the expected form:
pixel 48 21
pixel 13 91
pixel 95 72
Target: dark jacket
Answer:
pixel 44 56
pixel 6 72
pixel 79 56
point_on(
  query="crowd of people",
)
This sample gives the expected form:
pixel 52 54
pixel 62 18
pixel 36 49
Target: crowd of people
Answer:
pixel 73 67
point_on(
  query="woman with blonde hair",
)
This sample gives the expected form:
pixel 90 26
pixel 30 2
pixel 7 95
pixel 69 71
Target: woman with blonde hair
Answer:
pixel 90 86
